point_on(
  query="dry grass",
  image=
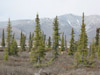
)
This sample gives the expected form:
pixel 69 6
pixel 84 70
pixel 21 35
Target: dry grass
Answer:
pixel 62 66
pixel 15 70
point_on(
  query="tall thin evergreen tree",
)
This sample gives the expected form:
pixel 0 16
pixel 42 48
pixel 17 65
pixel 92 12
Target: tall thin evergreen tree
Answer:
pixel 49 42
pixel 30 41
pixel 92 56
pixel 97 37
pixel 72 44
pixel 14 48
pixel 44 38
pixel 82 51
pixel 8 41
pixel 3 39
pixel 21 34
pixel 65 43
pixel 9 36
pixel 22 41
pixel 62 43
pixel 38 50
pixel 32 38
pixel 98 51
pixel 56 37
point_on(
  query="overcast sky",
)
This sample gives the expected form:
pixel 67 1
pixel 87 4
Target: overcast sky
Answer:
pixel 27 9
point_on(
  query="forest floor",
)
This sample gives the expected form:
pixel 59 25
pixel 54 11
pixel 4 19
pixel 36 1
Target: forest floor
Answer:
pixel 21 65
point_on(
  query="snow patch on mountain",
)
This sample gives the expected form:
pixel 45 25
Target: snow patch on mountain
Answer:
pixel 69 22
pixel 78 21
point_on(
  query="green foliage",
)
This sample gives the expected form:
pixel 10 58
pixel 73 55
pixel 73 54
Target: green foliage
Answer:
pixel 11 48
pixel 62 43
pixel 21 38
pixel 32 38
pixel 83 36
pixel 50 61
pixel 92 47
pixel 30 42
pixel 97 37
pixel 22 41
pixel 76 45
pixel 98 51
pixel 44 38
pixel 65 43
pixel 14 48
pixel 56 37
pixel 77 58
pixel 5 56
pixel 49 42
pixel 9 36
pixel 3 39
pixel 83 60
pixel 38 50
pixel 71 49
pixel 82 46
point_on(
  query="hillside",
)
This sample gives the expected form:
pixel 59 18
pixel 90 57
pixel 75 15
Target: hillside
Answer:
pixel 66 22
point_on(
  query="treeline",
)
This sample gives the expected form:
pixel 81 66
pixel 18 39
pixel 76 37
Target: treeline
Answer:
pixel 38 45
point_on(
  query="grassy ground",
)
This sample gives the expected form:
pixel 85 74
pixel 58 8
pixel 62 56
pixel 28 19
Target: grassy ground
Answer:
pixel 62 66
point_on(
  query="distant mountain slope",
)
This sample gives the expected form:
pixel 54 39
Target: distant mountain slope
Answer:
pixel 66 22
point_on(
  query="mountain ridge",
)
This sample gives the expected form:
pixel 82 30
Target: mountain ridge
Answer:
pixel 66 23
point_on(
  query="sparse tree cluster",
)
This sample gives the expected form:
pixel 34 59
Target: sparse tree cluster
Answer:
pixel 11 43
pixel 22 41
pixel 37 44
pixel 14 47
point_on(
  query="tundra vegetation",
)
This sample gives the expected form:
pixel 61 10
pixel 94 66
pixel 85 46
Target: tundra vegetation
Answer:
pixel 50 53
